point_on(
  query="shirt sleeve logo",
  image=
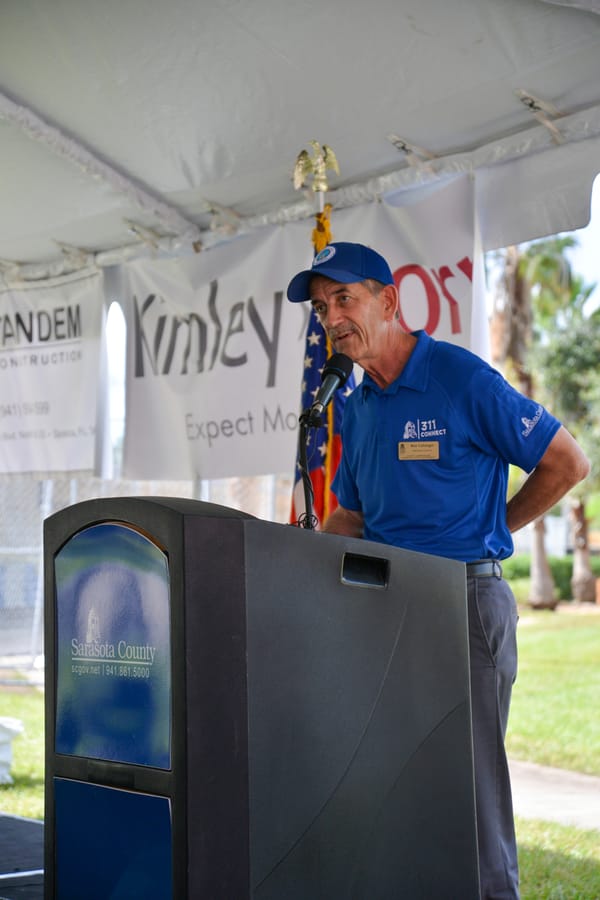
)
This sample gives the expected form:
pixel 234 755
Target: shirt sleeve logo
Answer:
pixel 529 424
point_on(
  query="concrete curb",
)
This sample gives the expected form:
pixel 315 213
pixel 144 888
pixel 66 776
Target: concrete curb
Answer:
pixel 555 795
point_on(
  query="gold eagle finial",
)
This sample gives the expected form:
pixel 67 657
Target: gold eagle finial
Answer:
pixel 322 159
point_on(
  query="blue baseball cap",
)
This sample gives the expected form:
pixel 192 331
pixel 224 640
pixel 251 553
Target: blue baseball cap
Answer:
pixel 344 262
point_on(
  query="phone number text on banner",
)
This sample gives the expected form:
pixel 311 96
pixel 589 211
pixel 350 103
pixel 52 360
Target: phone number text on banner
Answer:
pixel 50 339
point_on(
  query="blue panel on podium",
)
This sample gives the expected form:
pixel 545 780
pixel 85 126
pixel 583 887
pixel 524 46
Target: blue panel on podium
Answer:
pixel 129 832
pixel 113 642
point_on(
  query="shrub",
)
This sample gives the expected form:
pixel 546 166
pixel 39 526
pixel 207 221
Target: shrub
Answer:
pixel 562 572
pixel 561 567
pixel 517 566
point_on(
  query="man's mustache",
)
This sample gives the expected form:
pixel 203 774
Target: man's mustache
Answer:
pixel 334 333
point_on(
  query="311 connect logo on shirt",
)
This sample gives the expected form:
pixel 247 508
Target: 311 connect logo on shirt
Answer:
pixel 422 428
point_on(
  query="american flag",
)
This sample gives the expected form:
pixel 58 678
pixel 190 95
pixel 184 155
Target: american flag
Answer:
pixel 324 444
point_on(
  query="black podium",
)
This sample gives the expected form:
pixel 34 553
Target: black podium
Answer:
pixel 238 709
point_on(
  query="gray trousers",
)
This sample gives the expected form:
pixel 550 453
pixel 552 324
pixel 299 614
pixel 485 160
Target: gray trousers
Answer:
pixel 493 659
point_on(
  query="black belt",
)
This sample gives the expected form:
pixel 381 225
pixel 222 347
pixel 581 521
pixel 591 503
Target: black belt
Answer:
pixel 484 568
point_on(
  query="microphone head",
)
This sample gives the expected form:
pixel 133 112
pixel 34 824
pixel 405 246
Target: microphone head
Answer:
pixel 340 365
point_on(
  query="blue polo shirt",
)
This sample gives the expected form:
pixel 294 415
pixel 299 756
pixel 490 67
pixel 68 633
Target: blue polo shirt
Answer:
pixel 426 460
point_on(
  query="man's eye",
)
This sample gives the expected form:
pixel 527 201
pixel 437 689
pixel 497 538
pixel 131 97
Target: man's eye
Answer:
pixel 319 310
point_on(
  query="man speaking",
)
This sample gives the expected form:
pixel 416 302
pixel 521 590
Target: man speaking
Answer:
pixel 427 440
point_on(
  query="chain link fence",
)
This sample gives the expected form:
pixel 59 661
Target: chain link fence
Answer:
pixel 25 501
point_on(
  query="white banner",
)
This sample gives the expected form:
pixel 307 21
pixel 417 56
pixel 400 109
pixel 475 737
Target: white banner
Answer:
pixel 215 349
pixel 51 375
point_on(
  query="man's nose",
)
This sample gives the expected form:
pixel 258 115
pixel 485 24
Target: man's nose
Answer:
pixel 331 316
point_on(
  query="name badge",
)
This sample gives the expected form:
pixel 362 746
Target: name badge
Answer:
pixel 419 450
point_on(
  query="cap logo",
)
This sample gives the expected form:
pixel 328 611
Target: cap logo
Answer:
pixel 325 254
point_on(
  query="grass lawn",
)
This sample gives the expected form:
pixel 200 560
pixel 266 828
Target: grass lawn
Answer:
pixel 25 797
pixel 554 718
pixel 557 862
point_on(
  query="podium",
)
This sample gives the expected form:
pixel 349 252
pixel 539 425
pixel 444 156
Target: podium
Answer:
pixel 240 709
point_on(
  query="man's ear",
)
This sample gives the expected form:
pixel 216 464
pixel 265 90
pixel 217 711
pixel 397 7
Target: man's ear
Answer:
pixel 389 296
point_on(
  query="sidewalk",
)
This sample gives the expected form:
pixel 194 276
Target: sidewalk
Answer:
pixel 555 795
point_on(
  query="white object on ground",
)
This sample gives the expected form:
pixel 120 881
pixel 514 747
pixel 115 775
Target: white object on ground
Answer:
pixel 9 729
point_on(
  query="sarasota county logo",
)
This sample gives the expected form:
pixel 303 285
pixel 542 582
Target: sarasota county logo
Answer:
pixel 92 634
pixel 410 431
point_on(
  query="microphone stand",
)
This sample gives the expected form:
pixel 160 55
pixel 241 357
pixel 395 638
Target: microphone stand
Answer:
pixel 335 374
pixel 306 421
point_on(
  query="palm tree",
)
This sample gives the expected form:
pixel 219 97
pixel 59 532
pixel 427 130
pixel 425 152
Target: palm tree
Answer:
pixel 511 323
pixel 569 360
pixel 537 279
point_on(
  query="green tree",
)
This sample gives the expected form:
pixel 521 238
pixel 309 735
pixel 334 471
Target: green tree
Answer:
pixel 535 290
pixel 569 358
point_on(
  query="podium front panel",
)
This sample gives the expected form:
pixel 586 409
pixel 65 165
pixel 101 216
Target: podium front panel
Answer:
pixel 113 647
pixel 360 756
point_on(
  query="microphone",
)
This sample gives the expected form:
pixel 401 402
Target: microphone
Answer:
pixel 335 375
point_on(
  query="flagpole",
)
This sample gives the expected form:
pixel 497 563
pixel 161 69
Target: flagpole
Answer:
pixel 315 167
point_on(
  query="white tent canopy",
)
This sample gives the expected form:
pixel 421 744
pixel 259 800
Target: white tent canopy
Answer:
pixel 131 127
